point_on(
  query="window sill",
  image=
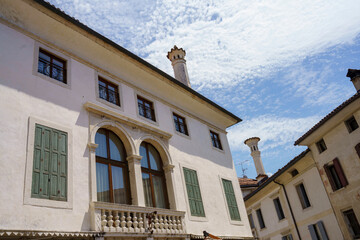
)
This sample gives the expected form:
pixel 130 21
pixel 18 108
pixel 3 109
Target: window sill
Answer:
pixel 337 190
pixel 103 101
pixel 47 203
pixel 183 135
pixel 198 219
pixel 217 149
pixel 64 85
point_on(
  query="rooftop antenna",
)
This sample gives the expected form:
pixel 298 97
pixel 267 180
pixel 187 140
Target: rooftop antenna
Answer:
pixel 242 163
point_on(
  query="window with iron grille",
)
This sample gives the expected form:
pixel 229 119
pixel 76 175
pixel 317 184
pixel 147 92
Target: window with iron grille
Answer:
pixel 109 91
pixel 52 66
pixel 180 124
pixel 215 139
pixel 146 108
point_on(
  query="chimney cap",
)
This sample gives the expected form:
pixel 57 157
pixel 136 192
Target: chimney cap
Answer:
pixel 252 138
pixel 353 73
pixel 175 48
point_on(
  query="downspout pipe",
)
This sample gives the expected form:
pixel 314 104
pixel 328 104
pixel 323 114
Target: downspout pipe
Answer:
pixel 291 211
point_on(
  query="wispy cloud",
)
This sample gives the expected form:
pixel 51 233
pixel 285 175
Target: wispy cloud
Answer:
pixel 273 131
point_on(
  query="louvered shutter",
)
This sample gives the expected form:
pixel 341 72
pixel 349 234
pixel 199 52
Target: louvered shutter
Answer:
pixel 331 181
pixel 340 172
pixel 322 230
pixel 194 194
pixel 231 200
pixel 357 148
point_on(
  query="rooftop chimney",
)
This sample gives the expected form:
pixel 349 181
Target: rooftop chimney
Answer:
pixel 354 76
pixel 177 58
pixel 255 153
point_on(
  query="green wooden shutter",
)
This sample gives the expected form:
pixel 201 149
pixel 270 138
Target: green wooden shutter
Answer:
pixel 50 164
pixel 231 200
pixel 194 194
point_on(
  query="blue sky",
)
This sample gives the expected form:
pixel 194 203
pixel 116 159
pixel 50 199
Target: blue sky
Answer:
pixel 279 65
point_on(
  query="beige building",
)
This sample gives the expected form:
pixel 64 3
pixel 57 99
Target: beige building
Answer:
pixel 97 143
pixel 335 146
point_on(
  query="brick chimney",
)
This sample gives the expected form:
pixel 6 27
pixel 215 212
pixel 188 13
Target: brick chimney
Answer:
pixel 177 58
pixel 354 75
pixel 252 143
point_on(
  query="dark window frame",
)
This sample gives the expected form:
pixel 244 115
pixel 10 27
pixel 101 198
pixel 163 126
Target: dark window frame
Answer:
pixel 260 218
pixel 336 175
pixel 107 91
pixel 351 124
pixel 215 140
pixel 321 146
pixel 180 127
pixel 353 223
pixel 52 65
pixel 278 208
pixel 145 111
pixel 303 197
pixel 159 173
pixel 251 221
pixel 122 164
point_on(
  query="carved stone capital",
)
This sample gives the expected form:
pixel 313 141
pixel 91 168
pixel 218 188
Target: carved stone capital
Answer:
pixel 92 146
pixel 168 168
pixel 134 158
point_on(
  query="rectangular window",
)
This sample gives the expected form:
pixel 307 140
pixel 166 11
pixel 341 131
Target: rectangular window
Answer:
pixel 146 108
pixel 49 178
pixel 351 124
pixel 352 222
pixel 251 220
pixel 279 209
pixel 193 192
pixel 336 175
pixel 317 231
pixel 231 200
pixel 109 91
pixel 180 124
pixel 52 66
pixel 260 218
pixel 305 203
pixel 215 139
pixel 357 149
pixel 321 146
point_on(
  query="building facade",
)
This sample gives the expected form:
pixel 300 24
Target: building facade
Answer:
pixel 97 143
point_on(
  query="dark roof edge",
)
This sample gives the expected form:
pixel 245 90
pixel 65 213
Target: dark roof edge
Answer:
pixel 327 117
pixel 132 55
pixel 278 173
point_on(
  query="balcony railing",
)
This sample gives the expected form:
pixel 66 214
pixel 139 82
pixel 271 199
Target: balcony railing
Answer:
pixel 109 217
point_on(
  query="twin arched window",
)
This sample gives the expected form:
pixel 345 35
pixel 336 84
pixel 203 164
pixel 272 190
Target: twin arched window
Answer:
pixel 112 179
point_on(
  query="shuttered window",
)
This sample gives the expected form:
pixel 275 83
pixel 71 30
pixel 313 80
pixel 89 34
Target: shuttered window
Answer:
pixel 317 231
pixel 260 218
pixel 305 203
pixel 231 200
pixel 49 178
pixel 279 209
pixel 357 149
pixel 336 175
pixel 193 192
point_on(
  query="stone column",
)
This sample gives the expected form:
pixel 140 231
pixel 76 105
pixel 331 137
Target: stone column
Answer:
pixel 169 177
pixel 92 156
pixel 135 177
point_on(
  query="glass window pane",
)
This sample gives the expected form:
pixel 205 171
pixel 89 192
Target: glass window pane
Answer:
pixel 100 139
pixel 58 63
pixel 102 182
pixel 147 190
pixel 159 192
pixel 144 160
pixel 116 148
pixel 119 188
pixel 44 56
pixel 155 163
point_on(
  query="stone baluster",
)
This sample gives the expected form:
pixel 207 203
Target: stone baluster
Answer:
pixel 110 221
pixel 123 222
pixel 166 225
pixel 175 226
pixel 156 223
pixel 141 223
pixel 103 220
pixel 180 226
pixel 161 223
pixel 128 221
pixel 170 224
pixel 117 221
pixel 135 222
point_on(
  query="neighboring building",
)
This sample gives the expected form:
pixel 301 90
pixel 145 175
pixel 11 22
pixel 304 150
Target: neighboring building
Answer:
pixel 292 204
pixel 97 143
pixel 335 146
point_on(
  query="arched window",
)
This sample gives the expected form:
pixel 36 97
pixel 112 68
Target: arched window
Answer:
pixel 112 179
pixel 153 177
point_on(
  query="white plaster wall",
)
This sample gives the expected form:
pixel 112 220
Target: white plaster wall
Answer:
pixel 24 94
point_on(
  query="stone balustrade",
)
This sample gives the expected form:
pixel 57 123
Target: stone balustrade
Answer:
pixel 108 217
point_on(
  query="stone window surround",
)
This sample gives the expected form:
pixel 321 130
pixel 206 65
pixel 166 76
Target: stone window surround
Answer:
pixel 172 111
pixel 220 139
pixel 28 200
pixel 192 218
pixel 234 222
pixel 134 164
pixel 67 59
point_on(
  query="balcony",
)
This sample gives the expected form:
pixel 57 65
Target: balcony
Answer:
pixel 126 220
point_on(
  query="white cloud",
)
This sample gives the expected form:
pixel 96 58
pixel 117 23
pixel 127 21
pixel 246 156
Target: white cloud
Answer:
pixel 273 131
